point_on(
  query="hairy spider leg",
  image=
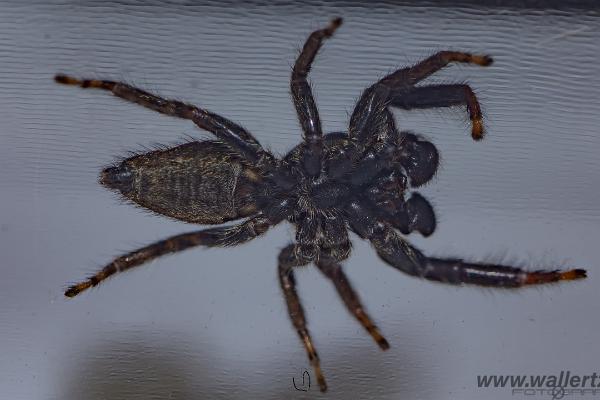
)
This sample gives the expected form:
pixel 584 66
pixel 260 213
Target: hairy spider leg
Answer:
pixel 306 108
pixel 405 79
pixel 288 259
pixel 411 75
pixel 333 270
pixel 214 237
pixel 370 116
pixel 442 96
pixel 398 253
pixel 238 138
pixel 459 271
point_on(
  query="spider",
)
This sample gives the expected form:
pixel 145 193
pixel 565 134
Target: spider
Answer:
pixel 327 185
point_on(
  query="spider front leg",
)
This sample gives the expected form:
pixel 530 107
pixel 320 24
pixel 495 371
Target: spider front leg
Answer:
pixel 379 95
pixel 429 66
pixel 442 96
pixel 401 255
pixel 289 258
pixel 304 102
pixel 333 270
pixel 459 271
pixel 214 237
pixel 398 253
pixel 238 138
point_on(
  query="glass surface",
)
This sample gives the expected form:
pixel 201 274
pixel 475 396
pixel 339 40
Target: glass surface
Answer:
pixel 213 323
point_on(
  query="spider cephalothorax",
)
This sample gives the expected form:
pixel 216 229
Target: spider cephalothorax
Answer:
pixel 326 186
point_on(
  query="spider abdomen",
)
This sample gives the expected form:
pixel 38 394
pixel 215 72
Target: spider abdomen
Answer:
pixel 200 182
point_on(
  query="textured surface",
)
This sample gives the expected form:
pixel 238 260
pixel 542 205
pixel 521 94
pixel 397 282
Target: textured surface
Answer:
pixel 212 324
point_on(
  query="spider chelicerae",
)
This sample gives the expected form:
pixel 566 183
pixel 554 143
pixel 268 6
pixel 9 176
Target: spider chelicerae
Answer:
pixel 328 184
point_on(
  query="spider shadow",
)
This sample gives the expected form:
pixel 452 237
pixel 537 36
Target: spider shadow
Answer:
pixel 134 365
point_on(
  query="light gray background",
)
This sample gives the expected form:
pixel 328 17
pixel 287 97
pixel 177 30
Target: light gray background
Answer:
pixel 212 323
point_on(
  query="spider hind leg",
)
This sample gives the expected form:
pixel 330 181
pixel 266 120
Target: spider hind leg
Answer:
pixel 221 236
pixel 236 137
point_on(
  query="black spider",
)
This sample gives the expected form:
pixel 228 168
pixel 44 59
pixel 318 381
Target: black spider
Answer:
pixel 326 185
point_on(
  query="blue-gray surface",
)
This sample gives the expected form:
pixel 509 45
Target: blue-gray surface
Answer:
pixel 212 323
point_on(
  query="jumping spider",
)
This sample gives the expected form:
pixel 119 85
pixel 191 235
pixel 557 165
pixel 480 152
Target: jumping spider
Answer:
pixel 325 186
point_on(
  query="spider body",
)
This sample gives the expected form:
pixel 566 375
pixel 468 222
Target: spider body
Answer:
pixel 326 186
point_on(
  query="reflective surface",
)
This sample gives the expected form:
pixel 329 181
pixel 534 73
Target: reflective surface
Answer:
pixel 212 323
